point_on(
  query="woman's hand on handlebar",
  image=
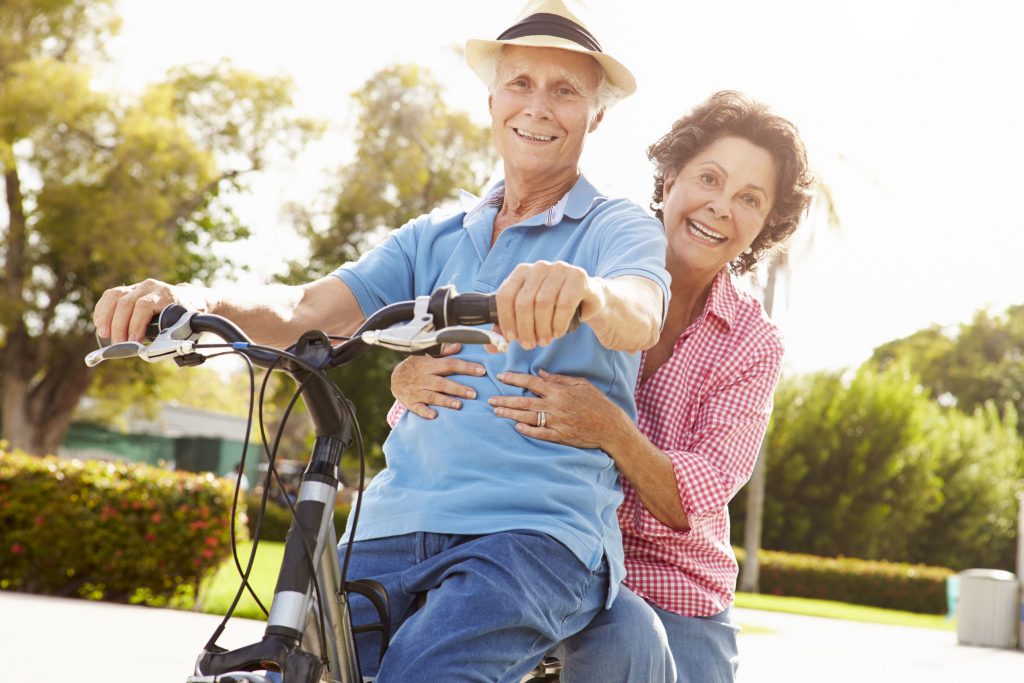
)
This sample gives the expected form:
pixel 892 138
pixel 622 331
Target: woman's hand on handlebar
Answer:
pixel 419 382
pixel 123 313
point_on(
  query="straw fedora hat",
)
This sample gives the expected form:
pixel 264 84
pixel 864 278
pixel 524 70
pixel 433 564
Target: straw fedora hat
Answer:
pixel 549 23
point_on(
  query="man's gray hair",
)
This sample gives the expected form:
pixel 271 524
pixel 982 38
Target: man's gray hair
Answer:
pixel 607 94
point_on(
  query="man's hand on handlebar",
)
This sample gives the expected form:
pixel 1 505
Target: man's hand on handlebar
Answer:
pixel 537 302
pixel 123 313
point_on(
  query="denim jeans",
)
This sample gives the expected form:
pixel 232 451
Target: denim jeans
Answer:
pixel 704 647
pixel 494 604
pixel 624 645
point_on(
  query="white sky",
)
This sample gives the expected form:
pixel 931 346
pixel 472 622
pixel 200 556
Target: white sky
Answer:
pixel 911 110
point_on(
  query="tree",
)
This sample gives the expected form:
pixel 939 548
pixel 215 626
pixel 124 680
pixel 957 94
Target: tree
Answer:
pixel 980 460
pixel 867 465
pixel 101 191
pixel 778 271
pixel 970 364
pixel 852 471
pixel 413 154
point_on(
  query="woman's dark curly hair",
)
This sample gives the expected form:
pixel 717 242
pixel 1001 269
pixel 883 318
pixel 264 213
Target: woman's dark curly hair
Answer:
pixel 732 114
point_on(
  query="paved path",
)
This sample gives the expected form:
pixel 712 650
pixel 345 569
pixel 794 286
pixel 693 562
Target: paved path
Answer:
pixel 814 650
pixel 53 640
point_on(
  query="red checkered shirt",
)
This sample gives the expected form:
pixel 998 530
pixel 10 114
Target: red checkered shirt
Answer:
pixel 707 408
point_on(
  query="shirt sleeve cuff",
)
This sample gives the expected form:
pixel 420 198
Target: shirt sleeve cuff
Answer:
pixel 395 414
pixel 701 492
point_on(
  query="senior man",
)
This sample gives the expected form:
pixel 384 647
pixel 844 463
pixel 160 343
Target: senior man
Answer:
pixel 513 541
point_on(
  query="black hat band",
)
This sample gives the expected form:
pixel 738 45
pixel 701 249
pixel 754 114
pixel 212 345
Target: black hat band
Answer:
pixel 544 24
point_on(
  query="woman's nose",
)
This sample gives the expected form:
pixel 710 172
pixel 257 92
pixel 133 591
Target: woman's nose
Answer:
pixel 719 207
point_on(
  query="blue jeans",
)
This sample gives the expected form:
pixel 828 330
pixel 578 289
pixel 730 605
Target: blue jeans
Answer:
pixel 494 604
pixel 637 642
pixel 704 647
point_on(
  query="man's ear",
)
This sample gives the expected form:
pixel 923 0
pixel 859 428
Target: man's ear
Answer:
pixel 596 122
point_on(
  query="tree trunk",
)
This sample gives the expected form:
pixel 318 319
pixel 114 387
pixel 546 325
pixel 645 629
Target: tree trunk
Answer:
pixel 36 415
pixel 751 575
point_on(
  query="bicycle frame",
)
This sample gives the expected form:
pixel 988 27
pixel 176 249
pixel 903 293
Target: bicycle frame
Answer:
pixel 292 640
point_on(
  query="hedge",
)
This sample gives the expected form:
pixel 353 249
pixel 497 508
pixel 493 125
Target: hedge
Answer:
pixel 910 587
pixel 278 518
pixel 112 531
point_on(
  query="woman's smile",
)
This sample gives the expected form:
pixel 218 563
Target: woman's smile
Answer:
pixel 704 234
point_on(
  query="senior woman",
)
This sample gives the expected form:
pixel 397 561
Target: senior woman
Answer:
pixel 513 541
pixel 731 183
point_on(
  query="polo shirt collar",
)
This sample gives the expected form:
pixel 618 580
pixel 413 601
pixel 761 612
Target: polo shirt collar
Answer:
pixel 576 203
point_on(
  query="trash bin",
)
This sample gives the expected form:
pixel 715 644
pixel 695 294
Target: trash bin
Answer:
pixel 952 595
pixel 988 608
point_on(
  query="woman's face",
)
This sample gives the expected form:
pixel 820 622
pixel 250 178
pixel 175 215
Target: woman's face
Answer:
pixel 542 106
pixel 716 205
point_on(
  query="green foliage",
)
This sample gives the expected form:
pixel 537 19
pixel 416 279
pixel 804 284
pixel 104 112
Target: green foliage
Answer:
pixel 277 519
pixel 978 459
pixel 109 531
pixel 869 466
pixel 914 588
pixel 103 190
pixel 412 155
pixel 849 472
pixel 977 362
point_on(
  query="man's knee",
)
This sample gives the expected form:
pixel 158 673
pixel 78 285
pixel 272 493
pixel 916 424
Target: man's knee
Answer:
pixel 627 642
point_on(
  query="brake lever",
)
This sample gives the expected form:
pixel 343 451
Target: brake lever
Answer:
pixel 399 339
pixel 177 339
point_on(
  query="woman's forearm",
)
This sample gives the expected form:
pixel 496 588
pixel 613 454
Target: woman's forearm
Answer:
pixel 650 473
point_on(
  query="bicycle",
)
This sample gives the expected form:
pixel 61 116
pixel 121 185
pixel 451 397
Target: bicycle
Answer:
pixel 309 637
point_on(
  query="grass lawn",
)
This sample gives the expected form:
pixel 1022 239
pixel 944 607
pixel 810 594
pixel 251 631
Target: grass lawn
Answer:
pixel 842 610
pixel 218 592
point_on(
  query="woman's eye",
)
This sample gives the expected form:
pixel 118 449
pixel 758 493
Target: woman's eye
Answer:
pixel 752 201
pixel 708 178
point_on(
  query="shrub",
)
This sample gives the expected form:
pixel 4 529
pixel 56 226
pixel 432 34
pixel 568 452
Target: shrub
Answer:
pixel 278 518
pixel 113 531
pixel 909 587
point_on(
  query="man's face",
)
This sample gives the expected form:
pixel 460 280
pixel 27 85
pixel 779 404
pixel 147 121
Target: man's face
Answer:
pixel 543 104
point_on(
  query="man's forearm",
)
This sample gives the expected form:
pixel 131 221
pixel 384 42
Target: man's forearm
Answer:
pixel 276 315
pixel 624 312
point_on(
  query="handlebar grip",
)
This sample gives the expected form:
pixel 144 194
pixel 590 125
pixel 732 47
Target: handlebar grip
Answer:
pixel 472 309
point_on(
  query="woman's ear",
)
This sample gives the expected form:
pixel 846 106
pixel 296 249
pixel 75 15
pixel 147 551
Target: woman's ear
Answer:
pixel 670 180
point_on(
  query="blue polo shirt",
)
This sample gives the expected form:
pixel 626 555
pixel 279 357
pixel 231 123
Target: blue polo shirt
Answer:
pixel 468 471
